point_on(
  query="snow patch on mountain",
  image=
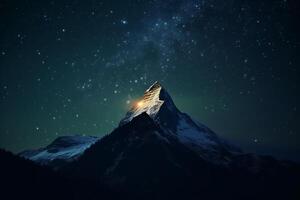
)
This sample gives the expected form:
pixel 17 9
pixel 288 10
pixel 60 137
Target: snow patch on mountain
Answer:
pixel 190 134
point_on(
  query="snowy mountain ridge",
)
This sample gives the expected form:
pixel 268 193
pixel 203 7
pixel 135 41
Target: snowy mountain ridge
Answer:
pixel 62 149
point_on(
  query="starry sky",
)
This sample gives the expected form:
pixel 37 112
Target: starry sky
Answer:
pixel 74 67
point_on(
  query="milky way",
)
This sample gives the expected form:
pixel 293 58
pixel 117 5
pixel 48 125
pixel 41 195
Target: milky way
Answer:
pixel 75 67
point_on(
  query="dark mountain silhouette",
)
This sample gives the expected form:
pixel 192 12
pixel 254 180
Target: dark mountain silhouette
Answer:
pixel 156 152
pixel 23 179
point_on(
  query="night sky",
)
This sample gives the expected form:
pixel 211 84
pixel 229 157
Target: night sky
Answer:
pixel 74 67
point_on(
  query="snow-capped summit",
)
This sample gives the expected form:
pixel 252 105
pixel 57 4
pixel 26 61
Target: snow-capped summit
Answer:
pixel 154 99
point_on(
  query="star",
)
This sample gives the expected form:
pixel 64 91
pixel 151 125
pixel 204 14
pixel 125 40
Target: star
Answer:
pixel 123 21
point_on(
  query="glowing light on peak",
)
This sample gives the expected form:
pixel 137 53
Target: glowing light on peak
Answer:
pixel 140 103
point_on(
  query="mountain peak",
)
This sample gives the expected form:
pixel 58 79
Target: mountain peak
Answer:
pixel 154 86
pixel 158 105
pixel 151 102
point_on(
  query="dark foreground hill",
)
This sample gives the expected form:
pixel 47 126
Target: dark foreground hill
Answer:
pixel 23 179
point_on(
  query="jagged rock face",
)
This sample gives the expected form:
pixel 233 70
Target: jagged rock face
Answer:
pixel 156 102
